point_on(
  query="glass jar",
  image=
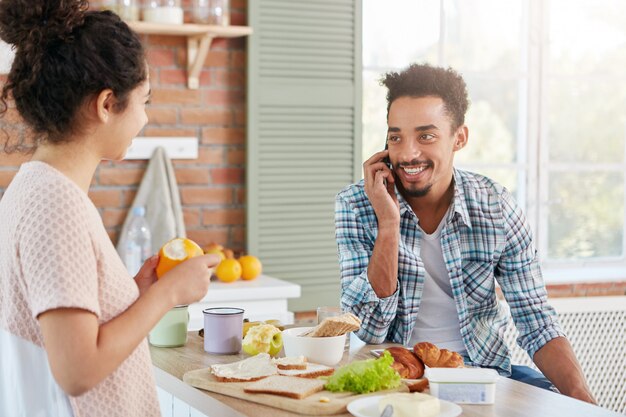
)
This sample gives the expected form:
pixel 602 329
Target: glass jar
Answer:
pixel 163 11
pixel 128 10
pixel 219 12
pixel 200 11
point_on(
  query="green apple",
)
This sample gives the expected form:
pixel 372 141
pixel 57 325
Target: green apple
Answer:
pixel 263 338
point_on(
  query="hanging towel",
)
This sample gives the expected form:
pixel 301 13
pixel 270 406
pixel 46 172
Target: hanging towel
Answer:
pixel 158 193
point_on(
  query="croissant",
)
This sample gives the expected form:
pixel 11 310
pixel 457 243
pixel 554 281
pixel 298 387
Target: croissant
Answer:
pixel 406 363
pixel 434 357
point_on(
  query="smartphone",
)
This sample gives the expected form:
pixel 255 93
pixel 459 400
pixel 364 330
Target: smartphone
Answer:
pixel 386 158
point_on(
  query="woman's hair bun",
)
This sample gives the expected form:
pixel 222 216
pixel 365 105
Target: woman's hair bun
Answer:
pixel 39 21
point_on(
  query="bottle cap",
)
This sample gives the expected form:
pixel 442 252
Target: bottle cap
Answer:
pixel 139 211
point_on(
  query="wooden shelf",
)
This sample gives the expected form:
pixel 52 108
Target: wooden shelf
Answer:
pixel 199 39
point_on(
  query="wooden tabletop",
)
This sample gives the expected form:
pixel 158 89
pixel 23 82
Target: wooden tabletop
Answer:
pixel 513 399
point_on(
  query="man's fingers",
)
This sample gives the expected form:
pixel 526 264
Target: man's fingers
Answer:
pixel 377 157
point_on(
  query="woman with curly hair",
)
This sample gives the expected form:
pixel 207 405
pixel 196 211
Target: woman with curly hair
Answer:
pixel 73 323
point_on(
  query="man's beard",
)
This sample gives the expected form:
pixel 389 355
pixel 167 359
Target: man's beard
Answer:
pixel 416 192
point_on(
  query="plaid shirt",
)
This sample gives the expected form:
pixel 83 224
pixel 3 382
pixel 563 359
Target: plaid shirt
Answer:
pixel 485 239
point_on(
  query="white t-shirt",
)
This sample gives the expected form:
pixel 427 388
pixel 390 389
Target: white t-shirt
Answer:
pixel 54 253
pixel 437 319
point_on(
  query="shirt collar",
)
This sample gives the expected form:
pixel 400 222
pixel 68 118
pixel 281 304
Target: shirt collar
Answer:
pixel 459 204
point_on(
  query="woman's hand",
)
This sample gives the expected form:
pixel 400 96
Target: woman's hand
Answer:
pixel 189 281
pixel 147 274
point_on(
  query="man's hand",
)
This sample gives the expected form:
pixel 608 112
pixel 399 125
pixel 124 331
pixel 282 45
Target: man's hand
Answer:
pixel 379 188
pixel 147 274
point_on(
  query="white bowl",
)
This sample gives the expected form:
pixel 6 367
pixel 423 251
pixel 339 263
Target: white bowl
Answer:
pixel 325 350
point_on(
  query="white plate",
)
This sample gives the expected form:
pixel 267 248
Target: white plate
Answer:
pixel 368 407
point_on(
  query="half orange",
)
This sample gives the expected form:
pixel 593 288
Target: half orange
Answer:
pixel 174 252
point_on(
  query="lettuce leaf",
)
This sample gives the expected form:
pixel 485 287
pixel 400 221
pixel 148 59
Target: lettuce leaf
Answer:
pixel 363 376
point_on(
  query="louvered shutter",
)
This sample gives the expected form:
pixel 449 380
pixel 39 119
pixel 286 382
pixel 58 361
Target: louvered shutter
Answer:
pixel 303 137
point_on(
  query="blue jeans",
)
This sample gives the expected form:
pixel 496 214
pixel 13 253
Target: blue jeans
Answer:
pixel 529 376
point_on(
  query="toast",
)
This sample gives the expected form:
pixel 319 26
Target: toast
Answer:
pixel 290 362
pixel 335 326
pixel 250 369
pixel 287 386
pixel 312 370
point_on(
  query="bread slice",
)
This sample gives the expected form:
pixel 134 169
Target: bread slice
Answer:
pixel 335 326
pixel 250 369
pixel 287 386
pixel 313 370
pixel 290 362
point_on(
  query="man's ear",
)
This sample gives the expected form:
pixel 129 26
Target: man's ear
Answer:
pixel 104 104
pixel 460 138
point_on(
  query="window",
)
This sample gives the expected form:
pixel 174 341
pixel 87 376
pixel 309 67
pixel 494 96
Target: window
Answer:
pixel 547 117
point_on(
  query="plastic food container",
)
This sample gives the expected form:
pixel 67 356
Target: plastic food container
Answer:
pixel 463 385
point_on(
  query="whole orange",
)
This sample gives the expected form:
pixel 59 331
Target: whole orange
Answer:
pixel 251 267
pixel 174 252
pixel 228 270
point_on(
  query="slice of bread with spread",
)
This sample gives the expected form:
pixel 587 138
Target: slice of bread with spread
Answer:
pixel 290 362
pixel 250 369
pixel 287 386
pixel 312 370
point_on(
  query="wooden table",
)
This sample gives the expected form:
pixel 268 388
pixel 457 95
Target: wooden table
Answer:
pixel 513 399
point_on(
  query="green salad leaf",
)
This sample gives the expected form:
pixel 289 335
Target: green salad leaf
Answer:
pixel 363 376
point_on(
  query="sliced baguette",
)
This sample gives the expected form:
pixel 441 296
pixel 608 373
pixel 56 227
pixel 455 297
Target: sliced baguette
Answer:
pixel 290 362
pixel 287 386
pixel 313 370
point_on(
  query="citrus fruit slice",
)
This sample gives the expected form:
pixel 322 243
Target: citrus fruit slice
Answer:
pixel 174 252
pixel 228 270
pixel 250 267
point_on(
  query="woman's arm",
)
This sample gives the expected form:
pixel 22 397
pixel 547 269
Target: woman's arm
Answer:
pixel 82 353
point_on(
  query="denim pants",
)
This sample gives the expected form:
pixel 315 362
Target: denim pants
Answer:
pixel 530 376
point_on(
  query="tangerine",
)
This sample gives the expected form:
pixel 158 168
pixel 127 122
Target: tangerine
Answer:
pixel 174 252
pixel 251 267
pixel 228 270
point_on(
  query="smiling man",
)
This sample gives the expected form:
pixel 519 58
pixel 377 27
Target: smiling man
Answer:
pixel 422 244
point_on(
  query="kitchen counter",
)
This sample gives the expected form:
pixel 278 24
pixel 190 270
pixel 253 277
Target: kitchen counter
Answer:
pixel 513 399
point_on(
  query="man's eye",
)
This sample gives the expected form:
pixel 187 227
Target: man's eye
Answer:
pixel 393 139
pixel 427 137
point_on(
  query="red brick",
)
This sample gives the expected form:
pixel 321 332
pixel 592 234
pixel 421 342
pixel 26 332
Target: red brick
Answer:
pixel 162 115
pixel 192 175
pixel 206 155
pixel 14 159
pixel 113 217
pixel 224 217
pixel 206 116
pixel 6 177
pixel 176 96
pixel 598 289
pixel 206 195
pixel 240 196
pixel 170 131
pixel 173 76
pixel 237 18
pixel 113 235
pixel 238 236
pixel 191 217
pixel 205 236
pixel 117 176
pixel 240 116
pixel 128 196
pixel 217 58
pixel 160 41
pixel 560 290
pixel 223 135
pixel 238 4
pixel 227 175
pixel 236 157
pixel 238 59
pixel 225 98
pixel 228 78
pixel 160 57
pixel 106 198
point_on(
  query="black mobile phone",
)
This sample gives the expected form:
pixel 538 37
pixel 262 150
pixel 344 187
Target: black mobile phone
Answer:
pixel 386 158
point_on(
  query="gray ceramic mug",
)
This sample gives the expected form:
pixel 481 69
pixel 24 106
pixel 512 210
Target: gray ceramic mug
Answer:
pixel 223 329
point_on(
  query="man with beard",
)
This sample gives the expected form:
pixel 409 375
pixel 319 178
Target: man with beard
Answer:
pixel 422 244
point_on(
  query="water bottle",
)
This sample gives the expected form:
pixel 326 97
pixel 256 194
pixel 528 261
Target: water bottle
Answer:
pixel 138 241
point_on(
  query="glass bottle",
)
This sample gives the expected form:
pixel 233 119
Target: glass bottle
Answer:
pixel 200 11
pixel 138 241
pixel 219 12
pixel 128 10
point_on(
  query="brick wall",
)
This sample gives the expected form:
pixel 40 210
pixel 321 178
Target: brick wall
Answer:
pixel 212 188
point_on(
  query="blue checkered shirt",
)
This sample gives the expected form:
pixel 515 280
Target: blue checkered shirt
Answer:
pixel 485 239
